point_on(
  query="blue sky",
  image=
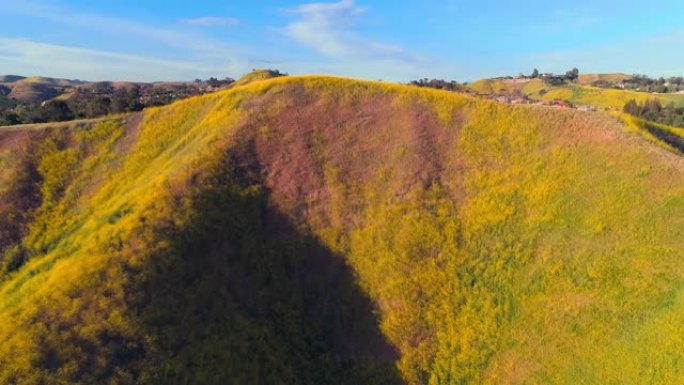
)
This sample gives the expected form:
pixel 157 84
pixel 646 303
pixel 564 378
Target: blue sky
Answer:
pixel 390 40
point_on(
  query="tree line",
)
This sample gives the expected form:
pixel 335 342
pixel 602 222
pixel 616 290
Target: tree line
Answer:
pixel 103 98
pixel 438 84
pixel 646 84
pixel 653 111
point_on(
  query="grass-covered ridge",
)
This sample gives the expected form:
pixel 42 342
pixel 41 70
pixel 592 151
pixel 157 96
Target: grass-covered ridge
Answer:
pixel 323 230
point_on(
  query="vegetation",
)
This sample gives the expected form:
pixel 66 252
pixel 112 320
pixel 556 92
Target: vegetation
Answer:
pixel 40 100
pixel 307 230
pixel 259 74
pixel 652 110
pixel 647 84
pixel 438 84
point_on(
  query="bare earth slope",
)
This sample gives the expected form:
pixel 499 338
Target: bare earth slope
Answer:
pixel 310 230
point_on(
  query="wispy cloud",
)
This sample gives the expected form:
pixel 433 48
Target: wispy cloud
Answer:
pixel 171 37
pixel 181 52
pixel 333 30
pixel 211 21
pixel 330 28
pixel 28 57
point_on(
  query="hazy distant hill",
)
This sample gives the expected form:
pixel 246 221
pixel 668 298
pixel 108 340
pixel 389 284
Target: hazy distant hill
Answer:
pixel 10 78
pixel 316 230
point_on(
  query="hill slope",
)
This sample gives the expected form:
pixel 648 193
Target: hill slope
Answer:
pixel 581 93
pixel 590 79
pixel 312 230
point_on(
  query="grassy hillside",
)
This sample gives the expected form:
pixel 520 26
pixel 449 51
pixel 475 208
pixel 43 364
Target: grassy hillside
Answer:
pixel 590 79
pixel 529 87
pixel 310 230
pixel 37 89
pixel 604 97
pixel 581 93
pixel 256 75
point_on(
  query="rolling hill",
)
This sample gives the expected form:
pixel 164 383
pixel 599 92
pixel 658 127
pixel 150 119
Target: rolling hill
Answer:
pixel 318 230
pixel 580 93
pixel 29 100
pixel 590 79
pixel 607 98
pixel 10 78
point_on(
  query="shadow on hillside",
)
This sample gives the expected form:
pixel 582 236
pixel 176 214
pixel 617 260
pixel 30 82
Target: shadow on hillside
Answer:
pixel 673 140
pixel 242 296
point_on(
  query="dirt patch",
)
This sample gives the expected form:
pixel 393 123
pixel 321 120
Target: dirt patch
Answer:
pixel 132 125
pixel 15 140
pixel 314 149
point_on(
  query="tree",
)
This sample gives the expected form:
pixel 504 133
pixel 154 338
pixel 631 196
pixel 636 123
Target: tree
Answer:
pixel 119 101
pixel 28 113
pixel 651 108
pixel 631 107
pixel 572 75
pixel 213 82
pixel 535 74
pixel 98 106
pixel 56 111
pixel 133 95
pixel 8 119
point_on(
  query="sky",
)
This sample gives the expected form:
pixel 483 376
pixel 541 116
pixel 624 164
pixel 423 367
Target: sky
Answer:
pixel 155 40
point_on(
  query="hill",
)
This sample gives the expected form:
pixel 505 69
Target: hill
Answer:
pixel 592 79
pixel 607 98
pixel 310 230
pixel 10 78
pixel 31 92
pixel 526 87
pixel 580 93
pixel 28 100
pixel 258 74
pixel 36 89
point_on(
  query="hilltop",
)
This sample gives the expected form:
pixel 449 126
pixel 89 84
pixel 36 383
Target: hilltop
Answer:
pixel 317 230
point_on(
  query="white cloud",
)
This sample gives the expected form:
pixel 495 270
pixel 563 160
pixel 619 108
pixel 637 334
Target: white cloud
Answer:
pixel 183 53
pixel 179 39
pixel 332 30
pixel 212 21
pixel 27 57
pixel 180 51
pixel 329 28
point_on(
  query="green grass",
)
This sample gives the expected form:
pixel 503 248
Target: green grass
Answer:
pixel 242 235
